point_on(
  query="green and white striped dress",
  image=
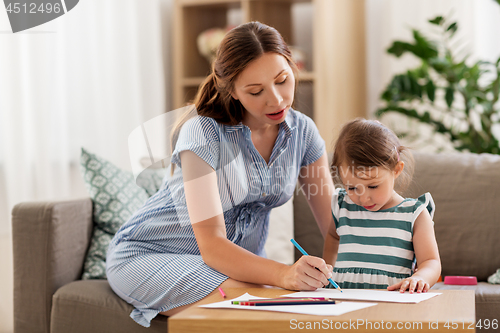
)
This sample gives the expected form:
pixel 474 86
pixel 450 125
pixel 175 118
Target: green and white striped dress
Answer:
pixel 376 248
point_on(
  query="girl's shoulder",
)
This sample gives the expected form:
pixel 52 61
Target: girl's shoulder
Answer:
pixel 338 200
pixel 415 206
pixel 340 193
pixel 425 201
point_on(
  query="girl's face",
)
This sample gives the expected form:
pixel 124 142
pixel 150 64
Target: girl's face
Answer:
pixel 371 187
pixel 265 88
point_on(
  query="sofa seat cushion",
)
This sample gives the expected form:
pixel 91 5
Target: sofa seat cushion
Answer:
pixel 91 306
pixel 487 298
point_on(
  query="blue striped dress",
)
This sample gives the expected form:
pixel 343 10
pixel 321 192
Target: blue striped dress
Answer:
pixel 376 248
pixel 154 262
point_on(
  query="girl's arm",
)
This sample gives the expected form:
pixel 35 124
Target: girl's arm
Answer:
pixel 331 247
pixel 426 251
pixel 316 182
pixel 206 215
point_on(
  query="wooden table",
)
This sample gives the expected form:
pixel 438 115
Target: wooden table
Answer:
pixel 452 311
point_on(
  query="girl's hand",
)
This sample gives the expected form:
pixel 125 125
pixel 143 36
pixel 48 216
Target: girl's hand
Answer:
pixel 308 273
pixel 413 283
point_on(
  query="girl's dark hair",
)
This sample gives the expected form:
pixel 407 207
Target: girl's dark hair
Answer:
pixel 367 143
pixel 239 47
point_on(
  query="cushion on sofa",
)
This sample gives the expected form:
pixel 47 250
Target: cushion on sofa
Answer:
pixel 91 306
pixel 116 195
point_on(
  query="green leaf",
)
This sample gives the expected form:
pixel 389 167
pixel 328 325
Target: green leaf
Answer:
pixel 421 72
pixel 426 117
pixel 430 89
pixel 453 28
pixel 398 48
pixel 438 20
pixel 423 48
pixel 449 95
pixel 440 64
pixel 415 88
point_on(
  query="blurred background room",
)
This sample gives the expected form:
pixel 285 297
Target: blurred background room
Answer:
pixel 92 76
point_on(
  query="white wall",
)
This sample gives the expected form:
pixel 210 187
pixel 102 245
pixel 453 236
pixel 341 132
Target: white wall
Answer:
pixel 87 78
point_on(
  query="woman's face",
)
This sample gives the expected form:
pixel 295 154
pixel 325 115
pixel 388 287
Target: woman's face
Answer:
pixel 265 88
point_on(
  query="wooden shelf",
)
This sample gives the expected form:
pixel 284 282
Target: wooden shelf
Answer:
pixel 208 2
pixel 306 76
pixel 192 81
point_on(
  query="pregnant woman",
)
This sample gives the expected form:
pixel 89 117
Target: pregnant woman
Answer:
pixel 237 157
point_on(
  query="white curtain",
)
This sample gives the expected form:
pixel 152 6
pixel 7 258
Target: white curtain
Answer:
pixel 388 20
pixel 88 78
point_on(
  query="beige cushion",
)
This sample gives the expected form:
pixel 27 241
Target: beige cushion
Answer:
pixel 466 190
pixel 91 306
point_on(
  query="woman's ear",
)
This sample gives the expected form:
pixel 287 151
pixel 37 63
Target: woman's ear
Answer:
pixel 398 169
pixel 233 95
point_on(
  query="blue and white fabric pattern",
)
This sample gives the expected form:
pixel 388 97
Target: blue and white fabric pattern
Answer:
pixel 376 248
pixel 154 262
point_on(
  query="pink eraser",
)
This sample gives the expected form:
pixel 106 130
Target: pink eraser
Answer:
pixel 460 280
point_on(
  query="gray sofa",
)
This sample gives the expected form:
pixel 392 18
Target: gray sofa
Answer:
pixel 50 240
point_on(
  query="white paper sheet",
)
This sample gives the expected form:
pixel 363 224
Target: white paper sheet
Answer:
pixel 367 295
pixel 318 309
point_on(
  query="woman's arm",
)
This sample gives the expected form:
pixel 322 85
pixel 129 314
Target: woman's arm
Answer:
pixel 316 182
pixel 206 215
pixel 427 254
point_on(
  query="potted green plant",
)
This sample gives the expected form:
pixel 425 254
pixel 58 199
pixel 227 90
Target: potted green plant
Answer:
pixel 457 98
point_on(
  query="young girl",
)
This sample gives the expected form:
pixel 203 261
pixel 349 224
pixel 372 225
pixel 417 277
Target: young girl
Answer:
pixel 378 234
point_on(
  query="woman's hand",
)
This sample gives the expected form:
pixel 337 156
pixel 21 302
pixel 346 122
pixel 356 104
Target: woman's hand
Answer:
pixel 413 283
pixel 308 273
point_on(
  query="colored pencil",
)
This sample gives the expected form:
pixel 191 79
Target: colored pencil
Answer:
pixel 222 292
pixel 281 299
pixel 289 302
pixel 289 298
pixel 305 253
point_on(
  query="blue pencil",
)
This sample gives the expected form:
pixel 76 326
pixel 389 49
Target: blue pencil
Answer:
pixel 305 253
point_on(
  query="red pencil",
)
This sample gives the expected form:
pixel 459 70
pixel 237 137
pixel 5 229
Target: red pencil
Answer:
pixel 222 292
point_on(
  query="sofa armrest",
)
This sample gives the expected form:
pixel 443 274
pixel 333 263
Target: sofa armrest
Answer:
pixel 50 240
